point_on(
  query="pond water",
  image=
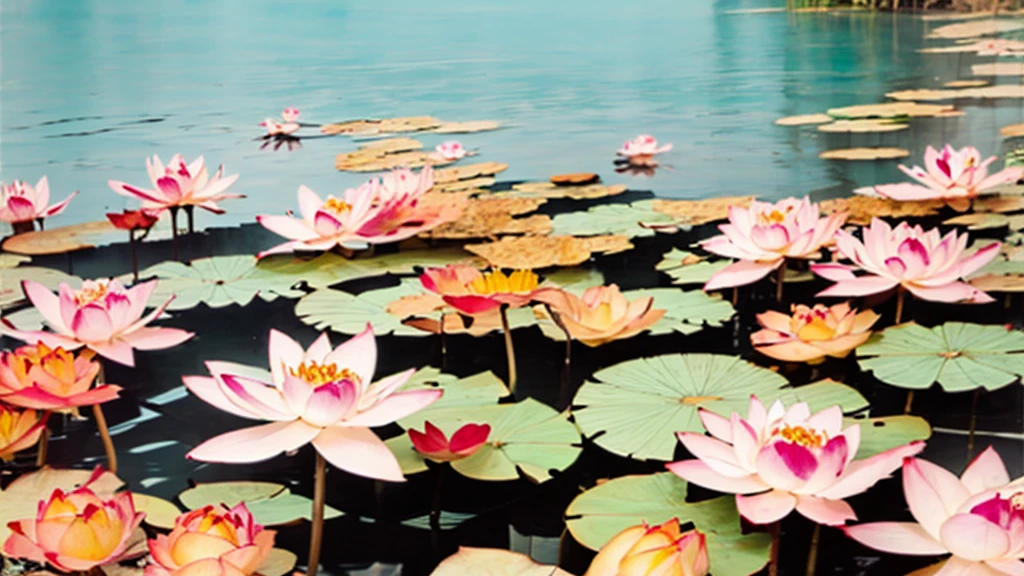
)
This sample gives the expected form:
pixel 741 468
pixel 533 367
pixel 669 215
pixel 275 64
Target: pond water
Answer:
pixel 90 88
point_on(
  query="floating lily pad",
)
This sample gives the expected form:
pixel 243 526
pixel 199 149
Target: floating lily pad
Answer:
pixel 957 355
pixel 688 268
pixel 803 120
pixel 270 504
pixel 889 110
pixel 622 219
pixel 597 515
pixel 218 282
pixel 881 434
pixel 864 154
pixel 544 251
pixel 1012 131
pixel 392 145
pixel 468 127
pixel 861 209
pixel 349 314
pixel 21 499
pixel 979 220
pixel 159 512
pixel 997 91
pixel 976 28
pixel 575 178
pixel 468 172
pixel 639 405
pixel 965 83
pixel 12 260
pixel 278 563
pixel 998 69
pixel 489 217
pixel 573 192
pixel 697 212
pixel 61 240
pixel 482 389
pixel 575 280
pixel 10 287
pixel 385 126
pixel 493 562
pixel 863 125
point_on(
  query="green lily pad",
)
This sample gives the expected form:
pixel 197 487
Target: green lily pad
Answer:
pixel 957 355
pixel 461 396
pixel 881 434
pixel 270 504
pixel 576 279
pixel 10 288
pixel 9 260
pixel 640 404
pixel 600 513
pixel 697 273
pixel 218 282
pixel 622 219
pixel 159 512
pixel 278 563
pixel 446 521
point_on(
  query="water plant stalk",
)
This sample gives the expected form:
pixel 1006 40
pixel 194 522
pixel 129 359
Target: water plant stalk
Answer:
pixel 973 424
pixel 316 534
pixel 567 369
pixel 780 280
pixel 135 256
pixel 190 212
pixel 435 508
pixel 901 293
pixel 510 352
pixel 101 425
pixel 444 341
pixel 812 553
pixel 773 560
pixel 174 230
pixel 43 447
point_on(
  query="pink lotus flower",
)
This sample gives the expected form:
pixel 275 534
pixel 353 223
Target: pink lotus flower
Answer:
pixel 378 212
pixel 44 379
pixel 290 114
pixel 927 265
pixel 788 459
pixel 472 292
pixel 977 518
pixel 640 151
pixel 763 236
pixel 102 315
pixel 450 150
pixel 19 429
pixel 955 176
pixel 20 202
pixel 212 541
pixel 179 184
pixel 465 442
pixel 653 551
pixel 602 315
pixel 288 124
pixel 318 395
pixel 812 334
pixel 76 531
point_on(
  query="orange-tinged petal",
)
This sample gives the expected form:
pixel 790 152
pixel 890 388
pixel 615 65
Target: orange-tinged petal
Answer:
pixel 194 546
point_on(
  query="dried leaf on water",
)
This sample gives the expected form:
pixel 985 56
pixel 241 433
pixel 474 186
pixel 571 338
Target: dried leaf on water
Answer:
pixel 697 212
pixel 544 251
pixel 60 240
pixel 467 172
pixel 10 286
pixel 572 192
pixel 467 127
pixel 861 209
pixel 575 179
pixel 1012 131
pixel 979 220
pixel 965 83
pixel 864 125
pixel 803 120
pixel 385 126
pixel 864 154
pixel 489 217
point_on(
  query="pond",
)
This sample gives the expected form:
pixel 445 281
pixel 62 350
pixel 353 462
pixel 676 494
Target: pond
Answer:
pixel 89 89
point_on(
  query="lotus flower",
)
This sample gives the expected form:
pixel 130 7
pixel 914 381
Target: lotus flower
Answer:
pixel 288 124
pixel 471 291
pixel 318 395
pixel 378 212
pixel 50 379
pixel 214 541
pixel 977 518
pixel 811 334
pixel 788 459
pixel 133 219
pixel 20 202
pixel 179 184
pixel 602 315
pixel 659 551
pixel 450 150
pixel 763 236
pixel 433 444
pixel 102 315
pixel 955 176
pixel 640 151
pixel 927 265
pixel 76 531
pixel 19 429
pixel 290 114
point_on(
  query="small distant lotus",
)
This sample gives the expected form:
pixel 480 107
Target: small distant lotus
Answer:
pixel 954 176
pixel 133 219
pixel 763 236
pixel 42 378
pixel 378 212
pixel 640 151
pixel 812 334
pixel 284 127
pixel 978 518
pixel 21 203
pixel 19 429
pixel 928 265
pixel 212 541
pixel 451 150
pixel 434 445
pixel 180 185
pixel 645 550
pixel 602 315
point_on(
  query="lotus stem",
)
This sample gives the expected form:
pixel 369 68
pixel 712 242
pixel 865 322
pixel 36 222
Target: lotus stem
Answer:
pixel 773 560
pixel 174 230
pixel 444 342
pixel 44 444
pixel 735 295
pixel 567 369
pixel 510 351
pixel 435 508
pixel 973 424
pixel 42 223
pixel 190 212
pixel 901 293
pixel 316 534
pixel 910 402
pixel 812 554
pixel 780 279
pixel 108 442
pixel 135 257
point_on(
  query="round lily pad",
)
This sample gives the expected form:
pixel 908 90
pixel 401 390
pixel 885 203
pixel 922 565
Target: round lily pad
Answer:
pixel 159 512
pixel 803 120
pixel 610 219
pixel 278 563
pixel 10 288
pixel 688 268
pixel 864 154
pixel 957 355
pixel 270 504
pixel 600 513
pixel 881 434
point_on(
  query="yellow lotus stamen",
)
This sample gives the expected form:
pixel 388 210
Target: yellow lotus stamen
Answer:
pixel 806 437
pixel 496 282
pixel 319 374
pixel 91 292
pixel 816 330
pixel 1017 501
pixel 216 525
pixel 337 206
pixel 7 423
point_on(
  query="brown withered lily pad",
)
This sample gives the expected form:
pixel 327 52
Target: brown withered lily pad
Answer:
pixel 467 127
pixel 572 192
pixel 998 91
pixel 529 252
pixel 860 209
pixel 468 172
pixel 473 185
pixel 575 179
pixel 697 212
pixel 489 217
pixel 60 240
pixel 889 110
pixel 965 83
pixel 976 28
pixel 391 145
pixel 979 220
pixel 370 158
pixel 385 126
pixel 864 154
pixel 1012 131
pixel 803 120
pixel 1001 204
pixel 863 125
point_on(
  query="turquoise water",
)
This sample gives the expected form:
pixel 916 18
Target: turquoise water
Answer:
pixel 90 88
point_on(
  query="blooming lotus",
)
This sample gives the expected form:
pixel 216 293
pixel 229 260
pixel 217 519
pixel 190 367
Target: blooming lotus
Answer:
pixel 649 551
pixel 19 429
pixel 102 315
pixel 286 126
pixel 133 219
pixel 317 395
pixel 763 236
pixel 471 291
pixel 640 151
pixel 450 150
pixel 378 212
pixel 786 458
pixel 433 443
pixel 602 315
pixel 179 184
pixel 927 265
pixel 977 518
pixel 76 531
pixel 21 202
pixel 211 540
pixel 811 334
pixel 50 379
pixel 955 176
